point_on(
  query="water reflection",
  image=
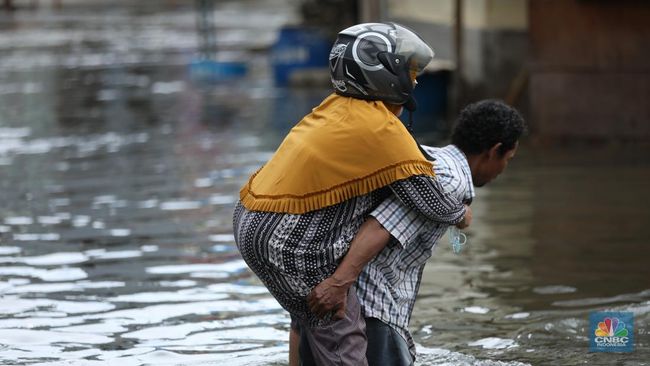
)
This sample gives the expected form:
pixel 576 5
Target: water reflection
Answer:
pixel 118 178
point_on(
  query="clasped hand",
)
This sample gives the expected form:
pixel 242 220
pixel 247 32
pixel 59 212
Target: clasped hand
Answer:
pixel 329 295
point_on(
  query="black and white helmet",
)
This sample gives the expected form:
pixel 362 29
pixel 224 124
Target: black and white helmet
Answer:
pixel 378 61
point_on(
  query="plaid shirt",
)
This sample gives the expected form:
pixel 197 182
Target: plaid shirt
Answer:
pixel 389 284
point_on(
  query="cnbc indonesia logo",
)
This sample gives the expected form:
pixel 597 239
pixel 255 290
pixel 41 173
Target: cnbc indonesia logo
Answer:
pixel 612 332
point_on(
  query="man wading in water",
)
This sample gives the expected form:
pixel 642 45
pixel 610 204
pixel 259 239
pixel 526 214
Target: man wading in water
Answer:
pixel 484 140
pixel 298 215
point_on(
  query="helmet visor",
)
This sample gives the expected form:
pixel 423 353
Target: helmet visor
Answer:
pixel 413 48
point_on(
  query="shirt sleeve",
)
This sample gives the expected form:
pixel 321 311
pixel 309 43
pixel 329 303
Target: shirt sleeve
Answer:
pixel 428 197
pixel 451 183
pixel 400 221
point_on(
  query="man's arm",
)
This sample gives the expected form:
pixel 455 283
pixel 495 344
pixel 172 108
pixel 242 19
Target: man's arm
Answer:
pixel 421 193
pixel 331 294
pixel 428 197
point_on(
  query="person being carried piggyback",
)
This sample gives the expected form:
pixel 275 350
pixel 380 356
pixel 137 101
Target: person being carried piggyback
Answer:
pixel 306 211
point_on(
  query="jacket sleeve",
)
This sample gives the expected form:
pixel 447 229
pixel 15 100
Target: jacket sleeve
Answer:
pixel 427 196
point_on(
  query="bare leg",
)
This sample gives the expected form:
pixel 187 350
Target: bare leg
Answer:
pixel 294 344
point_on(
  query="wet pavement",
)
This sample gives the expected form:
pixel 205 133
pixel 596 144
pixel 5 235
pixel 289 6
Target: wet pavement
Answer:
pixel 118 173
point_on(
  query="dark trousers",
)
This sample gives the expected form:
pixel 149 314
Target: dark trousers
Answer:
pixel 386 347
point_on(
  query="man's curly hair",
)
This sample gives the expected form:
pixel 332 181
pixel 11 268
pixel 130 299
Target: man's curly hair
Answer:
pixel 483 124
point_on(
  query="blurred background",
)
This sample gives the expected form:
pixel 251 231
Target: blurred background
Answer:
pixel 128 127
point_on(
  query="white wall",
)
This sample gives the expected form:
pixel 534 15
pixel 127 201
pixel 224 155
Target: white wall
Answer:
pixel 500 14
pixel 433 17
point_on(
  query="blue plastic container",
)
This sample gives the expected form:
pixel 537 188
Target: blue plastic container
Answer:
pixel 216 71
pixel 298 48
pixel 432 98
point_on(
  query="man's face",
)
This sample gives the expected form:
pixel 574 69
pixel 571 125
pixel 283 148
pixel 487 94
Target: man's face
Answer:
pixel 493 164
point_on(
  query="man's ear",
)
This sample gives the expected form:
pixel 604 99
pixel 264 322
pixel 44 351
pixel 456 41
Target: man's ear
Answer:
pixel 494 151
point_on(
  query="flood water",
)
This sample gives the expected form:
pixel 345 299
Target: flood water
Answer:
pixel 119 172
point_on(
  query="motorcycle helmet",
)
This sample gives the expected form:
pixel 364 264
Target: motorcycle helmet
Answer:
pixel 378 61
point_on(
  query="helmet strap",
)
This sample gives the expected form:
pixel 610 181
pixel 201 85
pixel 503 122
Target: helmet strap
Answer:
pixel 411 104
pixel 409 128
